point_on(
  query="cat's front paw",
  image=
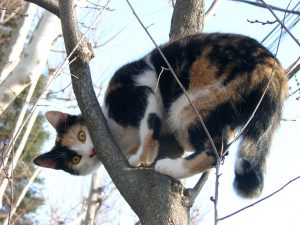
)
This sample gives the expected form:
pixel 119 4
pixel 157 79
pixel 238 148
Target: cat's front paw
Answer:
pixel 137 161
pixel 172 167
pixel 134 160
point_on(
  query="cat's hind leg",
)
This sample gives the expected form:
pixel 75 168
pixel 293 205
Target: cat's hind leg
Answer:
pixel 186 167
pixel 203 159
pixel 149 131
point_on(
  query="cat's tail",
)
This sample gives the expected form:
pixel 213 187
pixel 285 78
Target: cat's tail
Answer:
pixel 255 143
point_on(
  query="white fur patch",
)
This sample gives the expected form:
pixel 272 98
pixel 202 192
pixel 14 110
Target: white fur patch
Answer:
pixel 154 106
pixel 174 120
pixel 172 167
pixel 134 160
pixel 239 166
pixel 147 78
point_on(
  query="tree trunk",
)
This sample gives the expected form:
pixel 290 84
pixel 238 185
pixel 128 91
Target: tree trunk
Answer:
pixel 93 200
pixel 34 60
pixel 187 19
pixel 20 122
pixel 11 54
pixel 22 144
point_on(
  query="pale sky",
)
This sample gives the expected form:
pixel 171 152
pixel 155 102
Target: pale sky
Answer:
pixel 65 191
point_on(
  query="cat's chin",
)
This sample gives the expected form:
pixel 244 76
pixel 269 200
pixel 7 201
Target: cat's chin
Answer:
pixel 88 169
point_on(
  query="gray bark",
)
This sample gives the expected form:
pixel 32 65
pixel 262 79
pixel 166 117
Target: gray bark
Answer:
pixel 187 19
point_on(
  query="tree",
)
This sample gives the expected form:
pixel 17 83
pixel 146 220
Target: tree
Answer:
pixel 18 196
pixel 17 178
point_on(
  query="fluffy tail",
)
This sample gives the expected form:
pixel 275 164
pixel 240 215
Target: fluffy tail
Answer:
pixel 255 143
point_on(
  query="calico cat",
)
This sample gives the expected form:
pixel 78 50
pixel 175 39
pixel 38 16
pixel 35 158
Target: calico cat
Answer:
pixel 225 76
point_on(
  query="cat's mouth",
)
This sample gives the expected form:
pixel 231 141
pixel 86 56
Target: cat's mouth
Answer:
pixel 93 153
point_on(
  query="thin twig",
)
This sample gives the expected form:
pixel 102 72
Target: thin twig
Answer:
pixel 281 23
pixel 212 9
pixel 293 68
pixel 262 22
pixel 259 201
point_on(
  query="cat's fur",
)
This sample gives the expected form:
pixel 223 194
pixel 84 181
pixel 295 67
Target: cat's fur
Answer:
pixel 225 76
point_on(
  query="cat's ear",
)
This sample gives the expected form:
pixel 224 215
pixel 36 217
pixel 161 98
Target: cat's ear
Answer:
pixel 47 160
pixel 55 118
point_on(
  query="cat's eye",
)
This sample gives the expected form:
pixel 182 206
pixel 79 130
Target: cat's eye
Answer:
pixel 81 136
pixel 76 159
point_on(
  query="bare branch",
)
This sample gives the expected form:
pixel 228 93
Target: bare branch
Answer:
pixel 194 192
pixel 281 23
pixel 259 201
pixel 212 9
pixel 262 22
pixel 293 68
pixel 264 6
pixel 50 5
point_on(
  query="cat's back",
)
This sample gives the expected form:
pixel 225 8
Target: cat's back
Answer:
pixel 215 60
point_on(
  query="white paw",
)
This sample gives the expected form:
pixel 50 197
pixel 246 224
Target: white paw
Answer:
pixel 171 167
pixel 134 161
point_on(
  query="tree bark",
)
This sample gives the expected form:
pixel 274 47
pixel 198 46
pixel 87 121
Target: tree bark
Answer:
pixel 187 19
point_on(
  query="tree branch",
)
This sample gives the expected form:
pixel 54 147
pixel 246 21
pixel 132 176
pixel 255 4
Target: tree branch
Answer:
pixel 212 9
pixel 293 69
pixel 50 5
pixel 259 201
pixel 281 23
pixel 192 193
pixel 264 6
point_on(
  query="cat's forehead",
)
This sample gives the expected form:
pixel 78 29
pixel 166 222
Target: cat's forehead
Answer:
pixel 70 137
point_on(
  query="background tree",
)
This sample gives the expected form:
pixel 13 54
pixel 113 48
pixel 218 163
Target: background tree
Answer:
pixel 24 169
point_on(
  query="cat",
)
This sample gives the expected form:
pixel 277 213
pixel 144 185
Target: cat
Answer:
pixel 225 76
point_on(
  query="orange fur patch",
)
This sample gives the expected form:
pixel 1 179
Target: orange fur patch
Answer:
pixel 150 149
pixel 72 135
pixel 200 163
pixel 203 73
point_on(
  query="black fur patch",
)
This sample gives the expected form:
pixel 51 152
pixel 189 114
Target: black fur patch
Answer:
pixel 69 122
pixel 217 123
pixel 154 122
pixel 250 182
pixel 60 157
pixel 127 103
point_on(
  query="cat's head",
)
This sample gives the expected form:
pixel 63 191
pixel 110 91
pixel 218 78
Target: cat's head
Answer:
pixel 73 151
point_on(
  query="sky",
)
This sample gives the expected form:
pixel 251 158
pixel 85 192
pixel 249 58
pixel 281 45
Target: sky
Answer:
pixel 63 192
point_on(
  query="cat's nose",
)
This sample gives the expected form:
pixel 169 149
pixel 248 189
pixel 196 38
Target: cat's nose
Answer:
pixel 93 153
